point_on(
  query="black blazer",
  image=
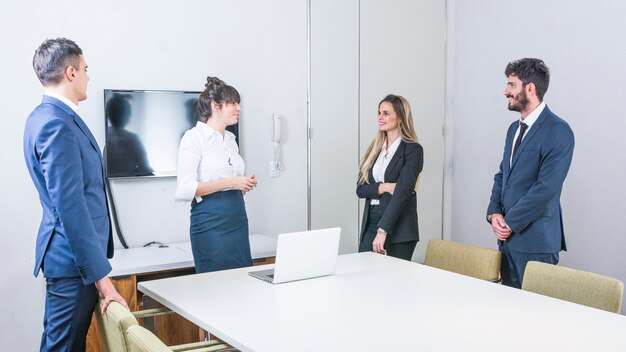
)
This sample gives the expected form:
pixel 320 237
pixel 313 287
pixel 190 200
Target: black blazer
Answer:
pixel 399 211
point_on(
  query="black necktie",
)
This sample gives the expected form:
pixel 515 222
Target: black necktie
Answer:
pixel 522 129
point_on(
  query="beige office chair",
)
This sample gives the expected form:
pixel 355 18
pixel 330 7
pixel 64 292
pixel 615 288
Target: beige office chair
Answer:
pixel 112 326
pixel 117 320
pixel 481 263
pixel 572 285
pixel 142 340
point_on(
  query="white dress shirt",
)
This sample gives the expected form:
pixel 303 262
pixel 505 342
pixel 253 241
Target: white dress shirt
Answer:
pixel 204 155
pixel 66 101
pixel 380 166
pixel 529 120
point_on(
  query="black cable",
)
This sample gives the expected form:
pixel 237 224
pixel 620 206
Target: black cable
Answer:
pixel 114 215
pixel 156 243
pixel 116 223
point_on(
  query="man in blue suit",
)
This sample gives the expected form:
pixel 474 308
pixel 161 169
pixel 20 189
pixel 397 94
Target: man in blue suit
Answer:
pixel 524 210
pixel 64 161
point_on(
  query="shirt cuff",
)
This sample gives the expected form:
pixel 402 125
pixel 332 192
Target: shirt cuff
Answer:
pixel 185 192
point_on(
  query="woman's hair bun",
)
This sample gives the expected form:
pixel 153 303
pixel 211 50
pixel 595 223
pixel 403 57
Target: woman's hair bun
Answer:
pixel 215 91
pixel 213 81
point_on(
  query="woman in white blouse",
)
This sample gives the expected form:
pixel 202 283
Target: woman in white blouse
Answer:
pixel 210 175
pixel 387 180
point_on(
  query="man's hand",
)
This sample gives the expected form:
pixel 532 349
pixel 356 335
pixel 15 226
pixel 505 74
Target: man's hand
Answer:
pixel 499 227
pixel 109 293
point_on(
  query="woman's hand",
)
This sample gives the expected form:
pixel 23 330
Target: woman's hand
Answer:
pixel 386 188
pixel 244 183
pixel 378 246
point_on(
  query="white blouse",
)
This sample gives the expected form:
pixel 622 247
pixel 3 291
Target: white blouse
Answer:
pixel 204 155
pixel 380 166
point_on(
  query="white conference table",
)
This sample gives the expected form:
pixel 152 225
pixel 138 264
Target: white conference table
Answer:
pixel 378 303
pixel 141 260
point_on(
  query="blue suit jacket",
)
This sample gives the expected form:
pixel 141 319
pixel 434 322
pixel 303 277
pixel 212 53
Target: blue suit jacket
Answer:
pixel 527 191
pixel 399 211
pixel 65 164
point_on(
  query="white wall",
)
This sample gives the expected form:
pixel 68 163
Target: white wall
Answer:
pixel 334 108
pixel 582 43
pixel 358 56
pixel 246 44
pixel 403 52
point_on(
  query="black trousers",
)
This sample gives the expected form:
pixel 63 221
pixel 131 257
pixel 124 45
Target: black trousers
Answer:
pixel 403 250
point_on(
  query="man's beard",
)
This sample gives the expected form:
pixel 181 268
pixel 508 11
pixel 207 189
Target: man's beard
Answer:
pixel 519 102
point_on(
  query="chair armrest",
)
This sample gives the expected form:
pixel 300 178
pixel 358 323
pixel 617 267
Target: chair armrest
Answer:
pixel 151 312
pixel 203 346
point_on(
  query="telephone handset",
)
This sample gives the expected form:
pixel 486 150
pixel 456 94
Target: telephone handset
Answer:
pixel 276 128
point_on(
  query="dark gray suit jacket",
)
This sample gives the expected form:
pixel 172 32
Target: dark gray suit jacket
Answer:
pixel 399 211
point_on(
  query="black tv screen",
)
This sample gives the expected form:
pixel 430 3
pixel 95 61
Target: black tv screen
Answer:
pixel 144 128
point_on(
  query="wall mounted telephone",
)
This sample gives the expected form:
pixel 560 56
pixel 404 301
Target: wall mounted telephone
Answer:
pixel 276 122
pixel 275 138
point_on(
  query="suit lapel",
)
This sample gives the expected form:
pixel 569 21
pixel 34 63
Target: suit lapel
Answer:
pixel 86 131
pixel 394 160
pixel 77 120
pixel 531 133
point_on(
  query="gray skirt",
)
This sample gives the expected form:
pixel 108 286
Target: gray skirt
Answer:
pixel 219 232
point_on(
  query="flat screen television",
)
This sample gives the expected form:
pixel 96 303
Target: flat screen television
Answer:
pixel 143 130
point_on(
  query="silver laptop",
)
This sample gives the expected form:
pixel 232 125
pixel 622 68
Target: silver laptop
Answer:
pixel 303 255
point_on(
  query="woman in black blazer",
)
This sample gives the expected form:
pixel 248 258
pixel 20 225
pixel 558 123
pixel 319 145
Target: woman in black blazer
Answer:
pixel 387 180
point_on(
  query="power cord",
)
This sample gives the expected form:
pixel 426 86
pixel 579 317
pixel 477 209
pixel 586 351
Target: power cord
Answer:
pixel 156 243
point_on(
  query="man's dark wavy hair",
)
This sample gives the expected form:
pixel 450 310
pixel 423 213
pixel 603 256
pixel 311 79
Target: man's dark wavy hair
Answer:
pixel 533 71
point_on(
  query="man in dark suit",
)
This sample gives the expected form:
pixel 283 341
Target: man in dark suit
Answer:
pixel 524 210
pixel 64 161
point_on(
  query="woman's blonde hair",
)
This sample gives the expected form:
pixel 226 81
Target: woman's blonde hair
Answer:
pixel 405 120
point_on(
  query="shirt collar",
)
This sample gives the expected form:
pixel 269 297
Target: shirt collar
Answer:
pixel 393 146
pixel 533 116
pixel 63 99
pixel 208 132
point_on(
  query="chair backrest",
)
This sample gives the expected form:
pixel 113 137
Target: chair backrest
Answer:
pixel 572 285
pixel 141 339
pixel 113 325
pixel 481 263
